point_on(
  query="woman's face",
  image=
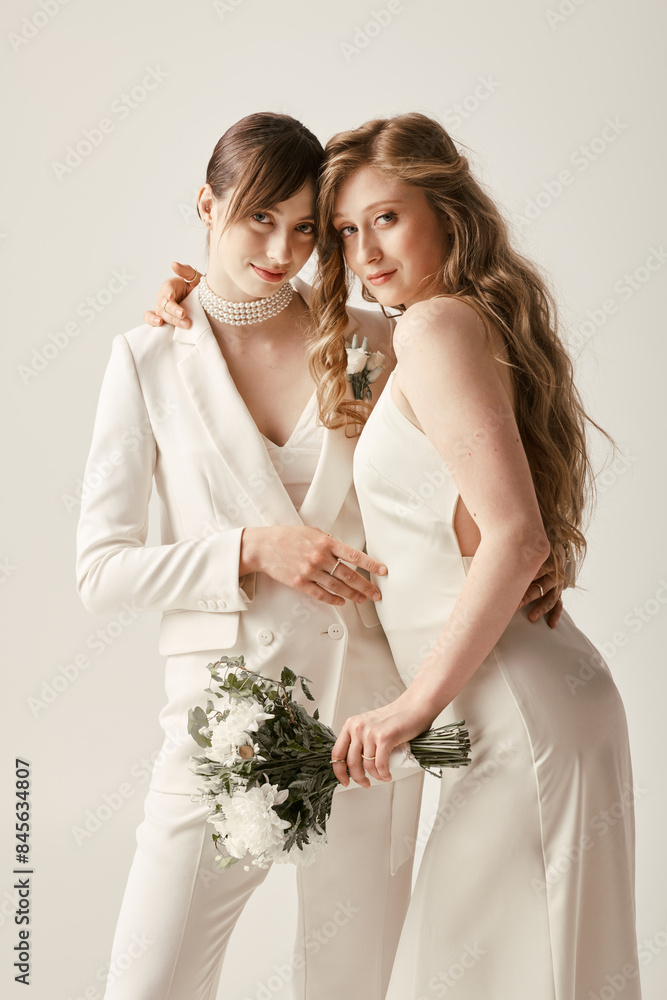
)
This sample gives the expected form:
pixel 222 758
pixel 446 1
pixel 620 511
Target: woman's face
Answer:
pixel 253 257
pixel 391 237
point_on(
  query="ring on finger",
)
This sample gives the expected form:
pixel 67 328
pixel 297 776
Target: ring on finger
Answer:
pixel 164 305
pixel 190 280
pixel 367 757
pixel 332 571
pixel 339 760
pixel 539 586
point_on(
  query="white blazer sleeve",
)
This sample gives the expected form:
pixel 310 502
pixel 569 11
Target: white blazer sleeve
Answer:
pixel 113 563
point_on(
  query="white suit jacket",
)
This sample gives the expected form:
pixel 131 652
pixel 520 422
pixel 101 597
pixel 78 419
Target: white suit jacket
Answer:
pixel 169 411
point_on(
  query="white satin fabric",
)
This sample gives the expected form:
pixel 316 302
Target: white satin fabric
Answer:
pixel 295 461
pixel 526 889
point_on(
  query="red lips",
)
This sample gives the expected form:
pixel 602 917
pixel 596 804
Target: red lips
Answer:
pixel 380 277
pixel 269 275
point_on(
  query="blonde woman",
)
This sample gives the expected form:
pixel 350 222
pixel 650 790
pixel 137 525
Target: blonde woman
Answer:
pixel 470 470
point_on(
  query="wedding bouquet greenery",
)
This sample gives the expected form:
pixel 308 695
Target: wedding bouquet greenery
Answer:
pixel 266 766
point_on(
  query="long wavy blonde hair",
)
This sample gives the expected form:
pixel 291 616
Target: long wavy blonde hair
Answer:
pixel 483 269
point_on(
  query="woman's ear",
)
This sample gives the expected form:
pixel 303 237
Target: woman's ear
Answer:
pixel 205 204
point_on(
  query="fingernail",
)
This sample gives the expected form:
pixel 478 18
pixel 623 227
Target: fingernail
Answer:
pixel 376 596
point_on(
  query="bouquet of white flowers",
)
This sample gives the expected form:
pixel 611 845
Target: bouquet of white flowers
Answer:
pixel 266 766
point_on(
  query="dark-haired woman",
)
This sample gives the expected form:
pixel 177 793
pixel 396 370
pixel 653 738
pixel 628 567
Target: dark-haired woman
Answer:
pixel 261 554
pixel 471 469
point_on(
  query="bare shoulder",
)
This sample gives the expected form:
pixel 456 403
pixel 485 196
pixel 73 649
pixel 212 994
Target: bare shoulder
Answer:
pixel 438 326
pixel 447 340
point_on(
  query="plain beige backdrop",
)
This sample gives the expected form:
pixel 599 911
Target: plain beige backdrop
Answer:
pixel 111 111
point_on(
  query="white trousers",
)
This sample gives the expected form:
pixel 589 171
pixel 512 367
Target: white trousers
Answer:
pixel 178 911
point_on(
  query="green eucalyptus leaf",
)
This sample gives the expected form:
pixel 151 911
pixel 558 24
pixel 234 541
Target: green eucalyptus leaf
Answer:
pixel 197 719
pixel 225 863
pixel 288 677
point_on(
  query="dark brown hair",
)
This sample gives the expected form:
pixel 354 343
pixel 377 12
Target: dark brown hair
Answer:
pixel 267 158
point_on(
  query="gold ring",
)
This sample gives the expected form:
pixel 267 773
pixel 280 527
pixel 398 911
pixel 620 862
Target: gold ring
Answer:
pixel 339 760
pixel 332 571
pixel 189 280
pixel 366 757
pixel 164 304
pixel 541 591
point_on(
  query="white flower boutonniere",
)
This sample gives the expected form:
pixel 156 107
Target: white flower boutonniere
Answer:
pixel 363 367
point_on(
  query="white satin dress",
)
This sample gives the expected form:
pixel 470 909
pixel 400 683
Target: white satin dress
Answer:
pixel 526 889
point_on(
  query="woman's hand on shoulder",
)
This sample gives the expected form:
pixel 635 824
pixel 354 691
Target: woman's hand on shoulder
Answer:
pixel 172 291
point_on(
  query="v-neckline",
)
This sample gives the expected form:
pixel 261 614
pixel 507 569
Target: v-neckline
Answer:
pixel 269 443
pixel 243 449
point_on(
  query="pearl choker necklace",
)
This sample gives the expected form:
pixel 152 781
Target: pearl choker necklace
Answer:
pixel 244 313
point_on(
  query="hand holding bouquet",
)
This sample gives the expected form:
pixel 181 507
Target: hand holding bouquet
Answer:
pixel 266 766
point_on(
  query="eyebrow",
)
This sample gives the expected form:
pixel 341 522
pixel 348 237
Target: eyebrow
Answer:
pixel 278 211
pixel 376 204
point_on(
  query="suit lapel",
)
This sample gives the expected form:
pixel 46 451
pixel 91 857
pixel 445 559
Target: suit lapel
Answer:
pixel 228 421
pixel 238 439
